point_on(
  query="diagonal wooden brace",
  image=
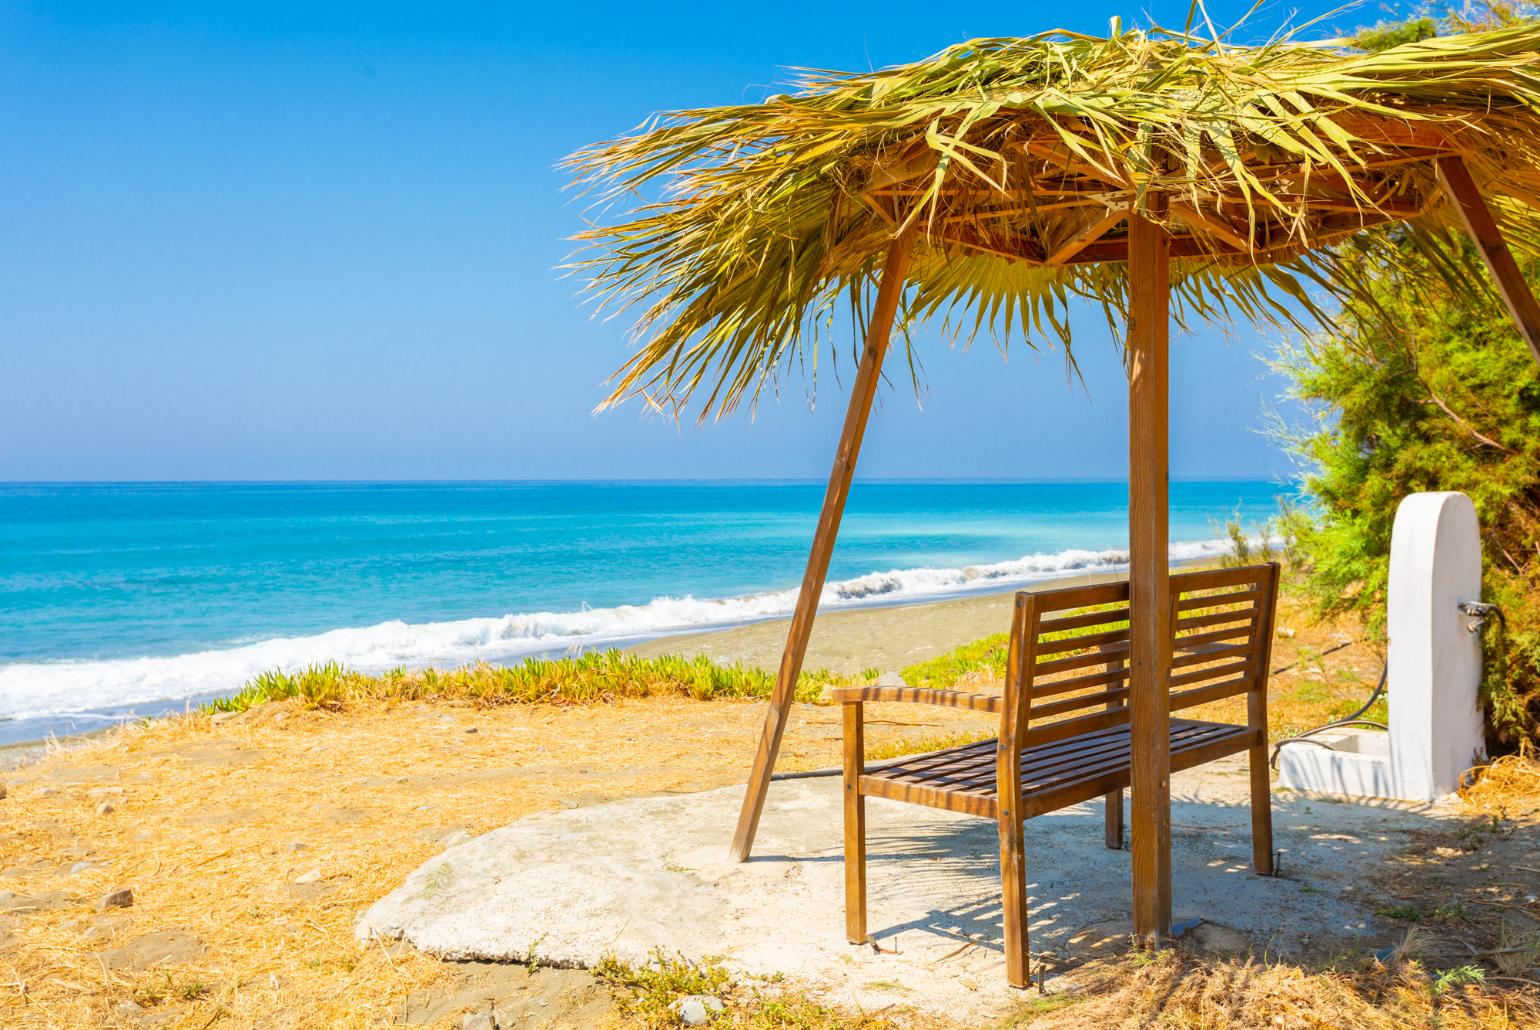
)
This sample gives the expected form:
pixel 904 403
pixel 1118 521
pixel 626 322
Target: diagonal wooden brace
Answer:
pixel 1482 227
pixel 889 291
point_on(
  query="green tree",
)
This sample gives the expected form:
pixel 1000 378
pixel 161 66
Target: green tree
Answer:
pixel 1413 392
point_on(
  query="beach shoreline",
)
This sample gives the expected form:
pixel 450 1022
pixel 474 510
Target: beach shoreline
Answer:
pixel 136 596
pixel 882 637
pixel 846 641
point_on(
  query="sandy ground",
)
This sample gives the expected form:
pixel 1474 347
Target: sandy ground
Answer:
pixel 251 844
pixel 849 641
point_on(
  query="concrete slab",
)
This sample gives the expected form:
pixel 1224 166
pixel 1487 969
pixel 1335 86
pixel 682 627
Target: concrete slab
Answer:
pixel 629 877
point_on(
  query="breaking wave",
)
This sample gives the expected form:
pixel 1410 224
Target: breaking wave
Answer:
pixel 37 689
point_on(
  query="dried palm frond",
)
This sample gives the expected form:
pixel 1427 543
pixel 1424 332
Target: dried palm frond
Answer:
pixel 1020 162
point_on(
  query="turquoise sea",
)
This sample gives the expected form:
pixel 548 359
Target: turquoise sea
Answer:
pixel 136 597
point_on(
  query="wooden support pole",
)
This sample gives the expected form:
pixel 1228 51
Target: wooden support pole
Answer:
pixel 1149 586
pixel 1482 227
pixel 869 373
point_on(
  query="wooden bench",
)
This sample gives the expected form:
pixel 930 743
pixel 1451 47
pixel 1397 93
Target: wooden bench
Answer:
pixel 1064 724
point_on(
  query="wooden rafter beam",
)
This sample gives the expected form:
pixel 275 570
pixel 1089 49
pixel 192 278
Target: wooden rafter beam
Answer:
pixel 1399 133
pixel 1482 227
pixel 1056 153
pixel 1085 236
pixel 1215 225
pixel 1089 200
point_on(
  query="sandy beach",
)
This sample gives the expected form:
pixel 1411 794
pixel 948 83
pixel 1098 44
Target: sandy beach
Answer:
pixel 850 641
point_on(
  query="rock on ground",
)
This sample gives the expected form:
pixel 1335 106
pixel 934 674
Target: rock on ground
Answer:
pixel 695 1009
pixel 163 947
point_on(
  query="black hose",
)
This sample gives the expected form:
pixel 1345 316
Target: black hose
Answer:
pixel 1355 719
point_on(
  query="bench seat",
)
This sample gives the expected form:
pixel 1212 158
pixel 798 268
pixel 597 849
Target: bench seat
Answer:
pixel 1065 772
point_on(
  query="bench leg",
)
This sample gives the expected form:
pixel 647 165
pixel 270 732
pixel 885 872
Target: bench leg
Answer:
pixel 855 827
pixel 1261 812
pixel 1013 876
pixel 1114 818
pixel 1113 837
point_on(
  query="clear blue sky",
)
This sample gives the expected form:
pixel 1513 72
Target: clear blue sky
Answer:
pixel 318 241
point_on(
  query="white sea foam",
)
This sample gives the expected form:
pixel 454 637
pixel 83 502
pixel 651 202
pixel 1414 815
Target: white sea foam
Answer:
pixel 33 689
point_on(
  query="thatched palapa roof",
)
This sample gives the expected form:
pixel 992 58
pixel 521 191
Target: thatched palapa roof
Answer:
pixel 1017 162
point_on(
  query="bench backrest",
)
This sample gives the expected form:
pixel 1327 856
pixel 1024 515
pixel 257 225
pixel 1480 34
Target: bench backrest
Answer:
pixel 1067 672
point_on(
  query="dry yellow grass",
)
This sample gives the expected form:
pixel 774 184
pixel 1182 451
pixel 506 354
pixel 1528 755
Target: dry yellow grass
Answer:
pixel 1177 990
pixel 206 818
pixel 1507 788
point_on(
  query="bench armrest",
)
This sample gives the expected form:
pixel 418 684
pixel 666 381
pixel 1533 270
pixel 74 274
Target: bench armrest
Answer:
pixel 919 695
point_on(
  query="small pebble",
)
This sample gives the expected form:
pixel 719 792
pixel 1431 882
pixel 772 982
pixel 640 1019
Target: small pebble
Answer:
pixel 80 867
pixel 123 897
pixel 128 1008
pixel 105 808
pixel 3 790
pixel 472 730
pixel 696 1009
pixel 314 876
pixel 479 1021
pixel 298 845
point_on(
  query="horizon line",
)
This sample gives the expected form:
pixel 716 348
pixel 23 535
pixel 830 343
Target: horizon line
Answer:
pixel 618 481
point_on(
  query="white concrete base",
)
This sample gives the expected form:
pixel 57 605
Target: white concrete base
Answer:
pixel 625 878
pixel 1358 765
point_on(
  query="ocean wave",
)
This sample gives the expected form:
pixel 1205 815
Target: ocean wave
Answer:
pixel 38 689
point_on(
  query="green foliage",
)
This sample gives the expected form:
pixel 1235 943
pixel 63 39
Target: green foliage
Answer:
pixel 649 989
pixel 1246 551
pixel 944 671
pixel 1414 391
pixel 1456 976
pixel 659 981
pixel 1388 34
pixel 596 676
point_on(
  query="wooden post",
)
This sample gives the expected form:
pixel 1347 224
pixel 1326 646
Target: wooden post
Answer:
pixel 878 330
pixel 1482 227
pixel 1149 586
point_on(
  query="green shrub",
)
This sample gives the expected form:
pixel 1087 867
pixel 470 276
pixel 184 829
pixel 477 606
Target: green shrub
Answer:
pixel 1416 392
pixel 596 676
